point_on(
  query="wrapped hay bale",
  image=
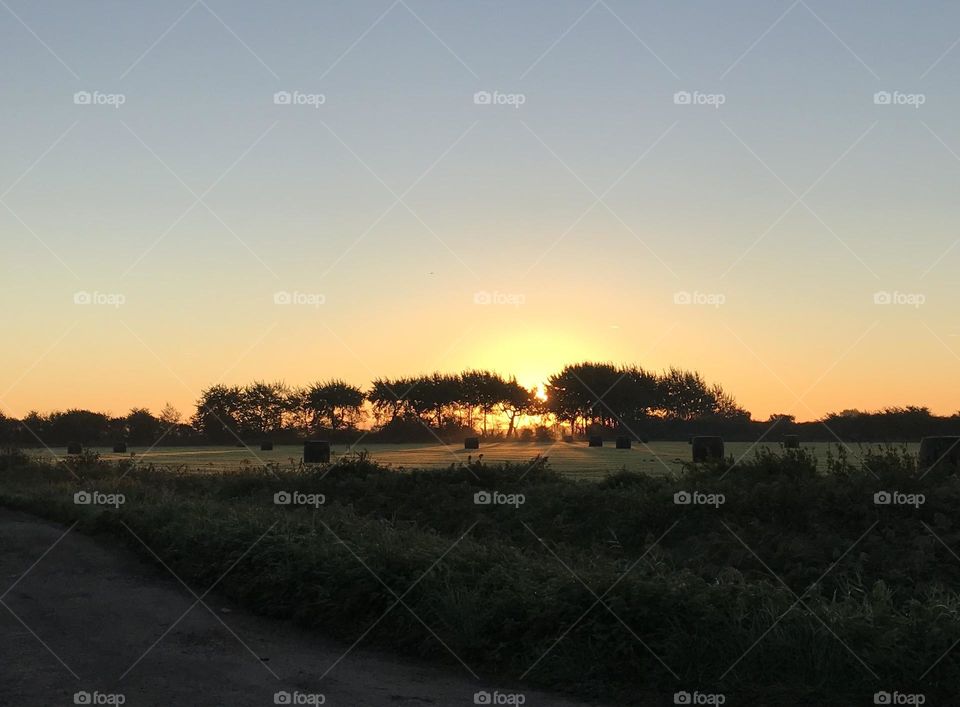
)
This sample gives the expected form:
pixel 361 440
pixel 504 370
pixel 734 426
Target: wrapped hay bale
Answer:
pixel 939 453
pixel 316 451
pixel 707 448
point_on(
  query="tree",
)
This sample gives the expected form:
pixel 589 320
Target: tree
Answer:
pixel 262 406
pixel 218 413
pixel 141 427
pixel 170 416
pixel 82 426
pixel 335 403
pixel 387 399
pixel 686 395
pixel 515 401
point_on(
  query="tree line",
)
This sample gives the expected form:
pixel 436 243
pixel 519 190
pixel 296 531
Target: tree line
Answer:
pixel 581 399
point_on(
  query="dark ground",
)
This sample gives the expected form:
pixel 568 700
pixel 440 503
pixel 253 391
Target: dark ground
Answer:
pixel 95 617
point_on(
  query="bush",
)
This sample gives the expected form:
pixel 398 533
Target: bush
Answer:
pixel 782 593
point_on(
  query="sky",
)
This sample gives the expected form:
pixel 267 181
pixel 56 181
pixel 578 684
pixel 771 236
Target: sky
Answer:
pixel 211 191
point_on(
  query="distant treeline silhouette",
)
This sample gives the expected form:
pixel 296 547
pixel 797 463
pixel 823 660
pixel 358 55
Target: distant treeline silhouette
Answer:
pixel 582 399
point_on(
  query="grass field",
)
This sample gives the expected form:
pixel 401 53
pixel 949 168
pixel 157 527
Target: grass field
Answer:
pixel 575 460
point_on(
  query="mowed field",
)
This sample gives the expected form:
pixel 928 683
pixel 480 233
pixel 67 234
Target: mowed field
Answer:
pixel 573 459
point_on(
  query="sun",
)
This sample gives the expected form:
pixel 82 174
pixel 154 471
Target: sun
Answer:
pixel 541 393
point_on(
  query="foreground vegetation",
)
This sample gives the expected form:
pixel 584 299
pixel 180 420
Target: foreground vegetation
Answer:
pixel 787 583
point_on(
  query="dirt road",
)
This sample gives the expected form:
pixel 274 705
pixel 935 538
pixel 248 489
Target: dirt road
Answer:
pixel 85 615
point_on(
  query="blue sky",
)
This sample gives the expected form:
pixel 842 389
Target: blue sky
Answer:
pixel 593 204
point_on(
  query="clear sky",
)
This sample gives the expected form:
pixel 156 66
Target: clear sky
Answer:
pixel 388 204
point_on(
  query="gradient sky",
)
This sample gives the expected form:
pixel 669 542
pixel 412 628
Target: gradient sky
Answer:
pixel 586 210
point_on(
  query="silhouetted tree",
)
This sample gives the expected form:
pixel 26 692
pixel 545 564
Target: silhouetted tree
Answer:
pixel 218 413
pixel 334 403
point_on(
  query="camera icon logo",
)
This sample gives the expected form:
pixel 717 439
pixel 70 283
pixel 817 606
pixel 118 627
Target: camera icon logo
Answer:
pixel 482 297
pixel 82 98
pixel 682 98
pixel 282 298
pixel 882 297
pixel 482 498
pixel 82 498
pixel 682 498
pixel 682 297
pixel 282 98
pixel 882 98
pixel 482 698
pixel 82 297
pixel 483 98
pixel 282 498
pixel 682 698
pixel 882 498
pixel 282 698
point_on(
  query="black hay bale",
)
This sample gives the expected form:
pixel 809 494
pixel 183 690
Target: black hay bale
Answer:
pixel 791 441
pixel 939 452
pixel 568 438
pixel 624 443
pixel 266 446
pixel 316 451
pixel 120 448
pixel 74 448
pixel 596 441
pixel 707 448
pixel 471 443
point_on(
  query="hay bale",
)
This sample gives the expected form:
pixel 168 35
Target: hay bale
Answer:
pixel 316 451
pixel 471 443
pixel 568 438
pixel 940 453
pixel 266 446
pixel 595 441
pixel 791 441
pixel 624 442
pixel 707 448
pixel 120 448
pixel 74 448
